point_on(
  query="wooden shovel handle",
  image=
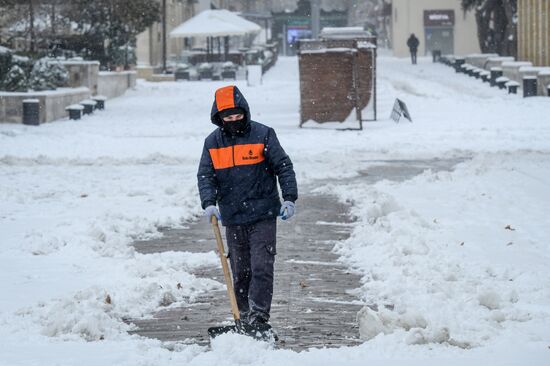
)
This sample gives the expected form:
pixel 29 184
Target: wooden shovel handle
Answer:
pixel 226 271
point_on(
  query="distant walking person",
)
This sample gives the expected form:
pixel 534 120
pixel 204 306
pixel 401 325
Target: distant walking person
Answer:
pixel 413 43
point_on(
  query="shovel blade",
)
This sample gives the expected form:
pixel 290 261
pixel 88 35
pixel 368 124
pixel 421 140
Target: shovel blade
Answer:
pixel 213 332
pixel 262 334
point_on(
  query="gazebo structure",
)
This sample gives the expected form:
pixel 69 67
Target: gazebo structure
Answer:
pixel 215 24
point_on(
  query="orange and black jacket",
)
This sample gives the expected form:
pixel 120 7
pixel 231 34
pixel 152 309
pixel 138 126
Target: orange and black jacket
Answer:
pixel 240 172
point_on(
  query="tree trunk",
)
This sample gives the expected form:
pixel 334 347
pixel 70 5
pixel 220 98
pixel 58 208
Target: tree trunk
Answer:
pixel 510 35
pixel 53 20
pixel 496 29
pixel 31 25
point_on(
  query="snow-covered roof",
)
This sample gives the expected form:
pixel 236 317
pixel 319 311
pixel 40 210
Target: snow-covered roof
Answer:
pixel 215 23
pixel 344 33
pixel 329 50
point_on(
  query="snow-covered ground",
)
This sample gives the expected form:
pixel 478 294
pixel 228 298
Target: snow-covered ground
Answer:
pixel 464 256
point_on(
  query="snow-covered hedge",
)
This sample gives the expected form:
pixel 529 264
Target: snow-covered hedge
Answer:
pixel 17 75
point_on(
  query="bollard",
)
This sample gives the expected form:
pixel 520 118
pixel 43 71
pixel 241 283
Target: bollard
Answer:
pixel 548 90
pixel 496 72
pixel 75 111
pixel 529 86
pixel 100 100
pixel 436 55
pixel 88 105
pixel 31 112
pixel 512 87
pixel 501 82
pixel 459 61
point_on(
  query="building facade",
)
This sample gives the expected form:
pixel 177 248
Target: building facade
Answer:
pixel 438 24
pixel 534 31
pixel 149 50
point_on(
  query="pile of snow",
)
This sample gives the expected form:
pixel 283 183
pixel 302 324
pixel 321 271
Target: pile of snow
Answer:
pixel 465 262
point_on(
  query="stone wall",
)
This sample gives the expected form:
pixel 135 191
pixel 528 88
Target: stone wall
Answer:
pixel 52 103
pixel 109 84
pixel 114 84
pixel 510 69
pixel 479 59
pixel 83 73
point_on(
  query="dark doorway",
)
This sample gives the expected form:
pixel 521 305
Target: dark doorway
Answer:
pixel 440 38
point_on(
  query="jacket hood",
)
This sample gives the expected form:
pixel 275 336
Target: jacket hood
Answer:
pixel 226 98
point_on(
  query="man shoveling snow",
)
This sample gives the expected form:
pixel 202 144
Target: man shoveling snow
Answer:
pixel 240 164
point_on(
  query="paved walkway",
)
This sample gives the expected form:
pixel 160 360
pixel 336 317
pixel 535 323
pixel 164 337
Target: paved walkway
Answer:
pixel 313 304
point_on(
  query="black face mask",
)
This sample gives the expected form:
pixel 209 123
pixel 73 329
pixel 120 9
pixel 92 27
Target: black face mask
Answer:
pixel 235 127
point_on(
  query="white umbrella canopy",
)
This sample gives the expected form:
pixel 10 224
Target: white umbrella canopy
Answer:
pixel 215 23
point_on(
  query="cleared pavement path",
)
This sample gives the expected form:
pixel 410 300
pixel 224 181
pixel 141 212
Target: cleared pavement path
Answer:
pixel 313 303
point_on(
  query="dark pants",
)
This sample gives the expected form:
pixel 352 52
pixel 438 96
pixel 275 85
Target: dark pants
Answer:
pixel 413 56
pixel 252 250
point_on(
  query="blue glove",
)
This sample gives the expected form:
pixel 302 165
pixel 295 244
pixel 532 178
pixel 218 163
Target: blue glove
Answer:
pixel 287 210
pixel 212 211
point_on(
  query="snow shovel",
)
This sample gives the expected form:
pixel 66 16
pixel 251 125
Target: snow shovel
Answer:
pixel 265 333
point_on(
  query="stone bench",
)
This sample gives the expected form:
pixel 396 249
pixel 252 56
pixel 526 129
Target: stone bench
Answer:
pixel 496 62
pixel 479 59
pixel 510 69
